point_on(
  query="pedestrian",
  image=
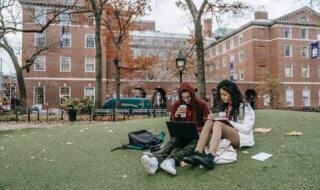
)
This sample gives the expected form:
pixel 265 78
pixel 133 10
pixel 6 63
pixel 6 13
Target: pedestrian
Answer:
pixel 241 116
pixel 188 108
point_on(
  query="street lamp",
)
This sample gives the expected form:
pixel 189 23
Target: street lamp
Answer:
pixel 180 61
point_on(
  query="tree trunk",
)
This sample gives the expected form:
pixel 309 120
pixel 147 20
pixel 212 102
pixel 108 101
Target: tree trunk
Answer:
pixel 98 63
pixel 20 79
pixel 116 63
pixel 201 78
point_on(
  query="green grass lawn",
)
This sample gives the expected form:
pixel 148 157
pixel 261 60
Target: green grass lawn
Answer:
pixel 78 157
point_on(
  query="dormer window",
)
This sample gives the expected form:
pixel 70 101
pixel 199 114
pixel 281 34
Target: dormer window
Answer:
pixel 303 19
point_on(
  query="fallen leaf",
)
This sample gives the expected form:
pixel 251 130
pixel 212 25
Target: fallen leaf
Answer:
pixel 32 157
pixel 125 176
pixel 69 143
pixel 282 146
pixel 245 152
pixel 81 130
pixel 262 130
pixel 294 133
pixel 1 147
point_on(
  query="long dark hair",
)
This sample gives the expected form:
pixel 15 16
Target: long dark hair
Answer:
pixel 236 96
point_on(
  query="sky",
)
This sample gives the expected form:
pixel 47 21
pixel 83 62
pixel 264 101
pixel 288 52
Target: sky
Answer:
pixel 172 19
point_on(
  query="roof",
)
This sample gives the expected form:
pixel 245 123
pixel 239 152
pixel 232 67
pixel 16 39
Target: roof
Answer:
pixel 61 3
pixel 269 23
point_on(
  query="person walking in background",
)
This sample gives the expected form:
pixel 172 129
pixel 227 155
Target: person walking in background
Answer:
pixel 240 115
pixel 188 108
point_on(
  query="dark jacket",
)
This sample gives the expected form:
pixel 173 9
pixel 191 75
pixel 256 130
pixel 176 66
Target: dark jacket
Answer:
pixel 199 108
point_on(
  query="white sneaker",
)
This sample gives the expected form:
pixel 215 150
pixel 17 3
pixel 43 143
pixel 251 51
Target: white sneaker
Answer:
pixel 169 165
pixel 150 164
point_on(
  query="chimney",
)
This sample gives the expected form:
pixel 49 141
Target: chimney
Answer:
pixel 207 27
pixel 260 15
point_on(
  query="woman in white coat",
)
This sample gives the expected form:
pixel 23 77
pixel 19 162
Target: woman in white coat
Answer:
pixel 240 115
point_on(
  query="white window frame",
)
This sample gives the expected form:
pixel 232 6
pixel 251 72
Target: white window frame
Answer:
pixel 266 100
pixel 86 40
pixel 241 38
pixel 290 33
pixel 64 96
pixel 307 35
pixel 231 43
pixel 308 71
pixel 40 15
pixel 224 47
pixel 61 58
pixel 290 46
pixel 291 70
pixel 224 62
pixel 38 37
pixel 307 51
pixel 241 56
pixel 94 90
pixel 34 95
pixel 308 102
pixel 291 91
pixel 217 50
pixel 67 36
pixel 36 61
pixel 63 19
pixel 241 74
pixel 90 63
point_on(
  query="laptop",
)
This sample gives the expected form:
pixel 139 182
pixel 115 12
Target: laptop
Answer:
pixel 182 129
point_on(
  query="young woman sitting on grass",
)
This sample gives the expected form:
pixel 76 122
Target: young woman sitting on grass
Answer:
pixel 240 115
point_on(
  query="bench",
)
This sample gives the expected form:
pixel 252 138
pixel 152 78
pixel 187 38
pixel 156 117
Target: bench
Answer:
pixel 102 112
pixel 141 112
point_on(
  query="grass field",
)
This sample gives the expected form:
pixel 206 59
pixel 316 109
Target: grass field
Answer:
pixel 78 157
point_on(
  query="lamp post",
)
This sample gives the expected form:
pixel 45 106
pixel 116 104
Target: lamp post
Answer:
pixel 180 61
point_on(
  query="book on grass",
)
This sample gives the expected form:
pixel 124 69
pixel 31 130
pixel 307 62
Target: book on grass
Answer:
pixel 221 119
pixel 262 156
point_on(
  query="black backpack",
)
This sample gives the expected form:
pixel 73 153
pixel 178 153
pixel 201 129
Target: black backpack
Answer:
pixel 143 139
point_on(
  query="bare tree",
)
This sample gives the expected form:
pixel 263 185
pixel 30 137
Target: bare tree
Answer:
pixel 11 23
pixel 216 7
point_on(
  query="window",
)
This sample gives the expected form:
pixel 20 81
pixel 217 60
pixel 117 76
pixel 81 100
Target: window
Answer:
pixel 305 71
pixel 304 33
pixel 288 50
pixel 241 74
pixel 211 67
pixel 288 71
pixel 65 18
pixel 306 97
pixel 217 50
pixel 289 97
pixel 218 65
pixel 318 34
pixel 66 40
pixel 241 38
pixel 40 39
pixel 304 51
pixel 89 92
pixel 40 15
pixel 224 76
pixel 65 64
pixel 241 56
pixel 303 19
pixel 231 43
pixel 90 64
pixel 224 47
pixel 224 62
pixel 65 93
pixel 90 41
pixel 287 32
pixel 319 72
pixel 266 100
pixel 39 64
pixel 137 53
pixel 38 95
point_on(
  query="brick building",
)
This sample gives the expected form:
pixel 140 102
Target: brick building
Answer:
pixel 280 46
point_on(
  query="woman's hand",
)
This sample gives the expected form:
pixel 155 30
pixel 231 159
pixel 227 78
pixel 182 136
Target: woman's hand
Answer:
pixel 178 112
pixel 211 116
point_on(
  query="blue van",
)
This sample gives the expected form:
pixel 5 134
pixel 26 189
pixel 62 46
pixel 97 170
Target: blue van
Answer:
pixel 128 103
